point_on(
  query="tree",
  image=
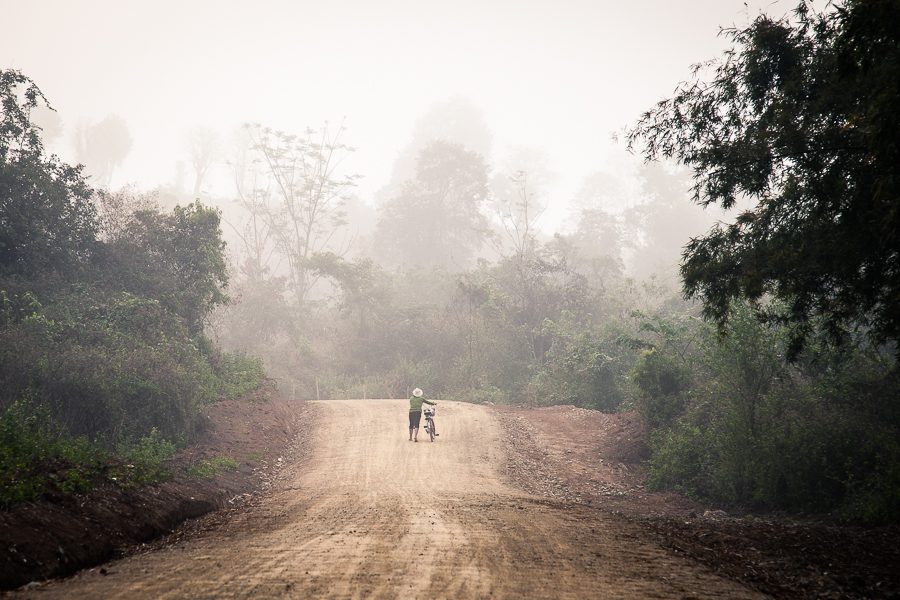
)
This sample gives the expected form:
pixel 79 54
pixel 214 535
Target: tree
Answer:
pixel 177 258
pixel 437 220
pixel 202 145
pixel 47 220
pixel 594 248
pixel 801 116
pixel 254 197
pixel 305 173
pixel 456 121
pixel 663 222
pixel 116 210
pixel 363 288
pixel 519 191
pixel 103 147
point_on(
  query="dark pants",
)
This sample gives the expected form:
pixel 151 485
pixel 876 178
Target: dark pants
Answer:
pixel 414 418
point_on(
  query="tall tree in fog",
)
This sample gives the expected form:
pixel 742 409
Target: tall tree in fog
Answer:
pixel 436 219
pixel 519 197
pixel 304 174
pixel 457 121
pixel 663 222
pixel 255 230
pixel 102 147
pixel 802 116
pixel 594 248
pixel 202 145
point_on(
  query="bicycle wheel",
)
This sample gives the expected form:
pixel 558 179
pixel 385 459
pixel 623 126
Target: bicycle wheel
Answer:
pixel 431 429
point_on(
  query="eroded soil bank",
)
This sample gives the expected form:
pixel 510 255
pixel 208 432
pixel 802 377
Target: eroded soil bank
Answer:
pixel 587 457
pixel 57 537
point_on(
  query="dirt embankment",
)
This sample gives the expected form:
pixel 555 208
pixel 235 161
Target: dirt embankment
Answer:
pixel 592 458
pixel 51 538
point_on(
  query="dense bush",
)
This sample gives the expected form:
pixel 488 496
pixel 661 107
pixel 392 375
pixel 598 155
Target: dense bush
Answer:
pixel 582 367
pixel 104 365
pixel 39 458
pixel 751 429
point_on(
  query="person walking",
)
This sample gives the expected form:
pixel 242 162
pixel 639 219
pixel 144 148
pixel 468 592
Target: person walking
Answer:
pixel 415 412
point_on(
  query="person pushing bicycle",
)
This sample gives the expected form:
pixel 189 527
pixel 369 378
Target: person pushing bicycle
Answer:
pixel 415 412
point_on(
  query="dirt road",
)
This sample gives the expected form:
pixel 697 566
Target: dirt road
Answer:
pixel 368 514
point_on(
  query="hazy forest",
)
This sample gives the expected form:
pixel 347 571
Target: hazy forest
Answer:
pixel 743 296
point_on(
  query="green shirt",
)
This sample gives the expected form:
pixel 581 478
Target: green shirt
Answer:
pixel 415 404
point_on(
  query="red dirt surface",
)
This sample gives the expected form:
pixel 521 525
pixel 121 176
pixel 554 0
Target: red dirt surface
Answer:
pixel 56 537
pixel 588 457
pixel 318 490
pixel 367 513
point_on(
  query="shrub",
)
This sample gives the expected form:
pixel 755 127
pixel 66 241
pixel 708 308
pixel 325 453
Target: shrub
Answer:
pixel 38 458
pixel 146 458
pixel 207 469
pixel 679 459
pixel 751 429
pixel 662 381
pixel 240 374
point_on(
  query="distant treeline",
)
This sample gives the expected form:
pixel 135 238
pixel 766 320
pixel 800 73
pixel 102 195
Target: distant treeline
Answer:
pixel 772 385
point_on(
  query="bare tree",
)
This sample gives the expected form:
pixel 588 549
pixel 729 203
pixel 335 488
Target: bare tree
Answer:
pixel 519 198
pixel 203 144
pixel 308 190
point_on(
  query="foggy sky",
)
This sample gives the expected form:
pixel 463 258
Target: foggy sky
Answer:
pixel 559 75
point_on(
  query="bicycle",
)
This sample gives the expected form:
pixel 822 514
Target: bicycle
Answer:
pixel 429 422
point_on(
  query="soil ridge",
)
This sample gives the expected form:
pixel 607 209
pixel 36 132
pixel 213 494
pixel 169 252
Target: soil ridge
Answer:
pixel 57 537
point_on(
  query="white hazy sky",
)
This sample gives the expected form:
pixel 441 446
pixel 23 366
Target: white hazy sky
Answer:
pixel 559 75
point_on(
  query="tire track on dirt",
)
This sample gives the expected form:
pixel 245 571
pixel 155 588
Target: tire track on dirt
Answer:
pixel 370 515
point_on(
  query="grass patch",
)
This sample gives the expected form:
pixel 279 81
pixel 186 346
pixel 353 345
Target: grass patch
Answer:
pixel 145 459
pixel 254 457
pixel 207 469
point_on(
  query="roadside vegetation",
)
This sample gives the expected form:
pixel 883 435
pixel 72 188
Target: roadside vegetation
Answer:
pixel 104 364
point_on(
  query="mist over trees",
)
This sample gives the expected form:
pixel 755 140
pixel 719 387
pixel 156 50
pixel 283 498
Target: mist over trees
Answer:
pixel 102 147
pixel 450 280
pixel 456 121
pixel 437 218
pixel 459 290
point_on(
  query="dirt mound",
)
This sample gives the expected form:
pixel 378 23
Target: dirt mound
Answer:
pixel 51 538
pixel 592 458
pixel 584 456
